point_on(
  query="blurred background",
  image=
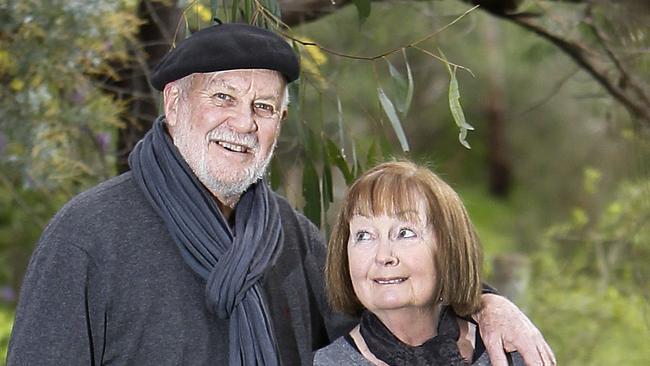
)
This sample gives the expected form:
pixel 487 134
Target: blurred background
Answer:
pixel 557 179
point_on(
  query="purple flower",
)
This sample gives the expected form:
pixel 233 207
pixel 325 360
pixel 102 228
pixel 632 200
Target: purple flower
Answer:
pixel 103 140
pixel 7 294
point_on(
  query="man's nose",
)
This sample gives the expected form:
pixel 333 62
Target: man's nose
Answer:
pixel 242 119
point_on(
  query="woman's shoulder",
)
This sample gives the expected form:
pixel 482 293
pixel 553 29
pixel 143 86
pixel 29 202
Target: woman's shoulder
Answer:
pixel 481 357
pixel 339 352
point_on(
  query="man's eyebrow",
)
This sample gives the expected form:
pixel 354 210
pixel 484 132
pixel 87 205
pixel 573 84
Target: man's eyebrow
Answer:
pixel 269 97
pixel 215 80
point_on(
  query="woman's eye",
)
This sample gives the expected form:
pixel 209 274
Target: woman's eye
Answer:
pixel 362 236
pixel 405 233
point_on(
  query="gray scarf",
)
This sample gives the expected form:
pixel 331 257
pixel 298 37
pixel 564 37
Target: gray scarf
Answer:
pixel 232 263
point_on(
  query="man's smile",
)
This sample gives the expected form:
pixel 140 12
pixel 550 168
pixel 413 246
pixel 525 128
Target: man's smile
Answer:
pixel 234 147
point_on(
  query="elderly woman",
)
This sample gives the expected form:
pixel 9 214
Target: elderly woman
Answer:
pixel 405 256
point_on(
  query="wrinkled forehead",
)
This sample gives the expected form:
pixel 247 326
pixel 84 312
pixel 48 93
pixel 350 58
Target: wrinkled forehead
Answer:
pixel 242 80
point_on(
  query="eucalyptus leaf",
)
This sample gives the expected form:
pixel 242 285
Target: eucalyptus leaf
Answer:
pixel 385 148
pixel 462 135
pixel 335 157
pixel 312 144
pixel 311 192
pixel 328 194
pixel 401 81
pixel 373 154
pixel 234 10
pixel 247 11
pixel 409 91
pixel 363 9
pixel 355 161
pixel 405 85
pixel 454 104
pixel 339 109
pixel 402 85
pixel 358 168
pixel 389 109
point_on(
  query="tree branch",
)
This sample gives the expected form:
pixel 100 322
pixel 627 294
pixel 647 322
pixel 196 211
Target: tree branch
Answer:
pixel 577 52
pixel 637 103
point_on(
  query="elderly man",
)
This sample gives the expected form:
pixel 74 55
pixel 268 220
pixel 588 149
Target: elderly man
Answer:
pixel 189 258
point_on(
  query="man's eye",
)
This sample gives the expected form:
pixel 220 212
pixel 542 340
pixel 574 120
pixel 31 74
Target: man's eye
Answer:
pixel 268 107
pixel 224 97
pixel 265 109
pixel 362 236
pixel 406 233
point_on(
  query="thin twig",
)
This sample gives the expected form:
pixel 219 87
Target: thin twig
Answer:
pixel 156 19
pixel 577 52
pixel 553 92
pixel 446 26
pixel 383 54
pixel 266 13
pixel 626 79
pixel 443 60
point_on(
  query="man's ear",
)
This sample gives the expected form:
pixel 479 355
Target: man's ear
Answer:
pixel 285 114
pixel 171 95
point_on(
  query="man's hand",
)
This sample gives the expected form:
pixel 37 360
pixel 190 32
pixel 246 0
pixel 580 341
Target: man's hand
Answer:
pixel 504 327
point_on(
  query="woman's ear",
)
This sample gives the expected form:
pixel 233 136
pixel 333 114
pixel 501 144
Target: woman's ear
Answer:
pixel 171 95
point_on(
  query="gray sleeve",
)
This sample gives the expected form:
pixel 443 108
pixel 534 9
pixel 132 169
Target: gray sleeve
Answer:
pixel 340 352
pixel 54 325
pixel 337 324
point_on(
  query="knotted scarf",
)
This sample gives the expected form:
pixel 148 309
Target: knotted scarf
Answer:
pixel 230 262
pixel 439 350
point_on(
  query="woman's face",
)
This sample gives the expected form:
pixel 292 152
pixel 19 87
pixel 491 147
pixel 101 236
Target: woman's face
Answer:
pixel 391 262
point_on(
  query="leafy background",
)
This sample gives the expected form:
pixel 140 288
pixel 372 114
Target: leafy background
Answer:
pixel 556 180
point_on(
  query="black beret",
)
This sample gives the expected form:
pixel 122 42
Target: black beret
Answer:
pixel 227 46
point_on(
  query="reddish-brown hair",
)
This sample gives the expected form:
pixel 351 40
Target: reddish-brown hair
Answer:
pixel 392 189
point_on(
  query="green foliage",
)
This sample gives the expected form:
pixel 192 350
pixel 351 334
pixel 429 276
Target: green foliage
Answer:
pixel 51 106
pixel 6 321
pixel 56 121
pixel 591 291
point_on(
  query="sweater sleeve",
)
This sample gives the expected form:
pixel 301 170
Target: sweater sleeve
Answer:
pixel 54 322
pixel 337 324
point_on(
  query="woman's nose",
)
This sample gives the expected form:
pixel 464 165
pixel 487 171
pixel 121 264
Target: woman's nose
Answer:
pixel 385 255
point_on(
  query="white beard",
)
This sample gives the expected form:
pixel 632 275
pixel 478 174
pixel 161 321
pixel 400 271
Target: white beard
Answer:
pixel 217 176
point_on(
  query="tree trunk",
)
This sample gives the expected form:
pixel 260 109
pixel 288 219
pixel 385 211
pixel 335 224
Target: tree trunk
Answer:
pixel 511 275
pixel 160 23
pixel 499 165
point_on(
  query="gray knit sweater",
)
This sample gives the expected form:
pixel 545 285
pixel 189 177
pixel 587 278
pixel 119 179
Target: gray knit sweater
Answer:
pixel 106 285
pixel 340 352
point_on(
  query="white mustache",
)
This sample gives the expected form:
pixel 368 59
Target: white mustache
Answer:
pixel 227 135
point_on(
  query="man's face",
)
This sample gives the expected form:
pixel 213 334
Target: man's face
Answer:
pixel 226 124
